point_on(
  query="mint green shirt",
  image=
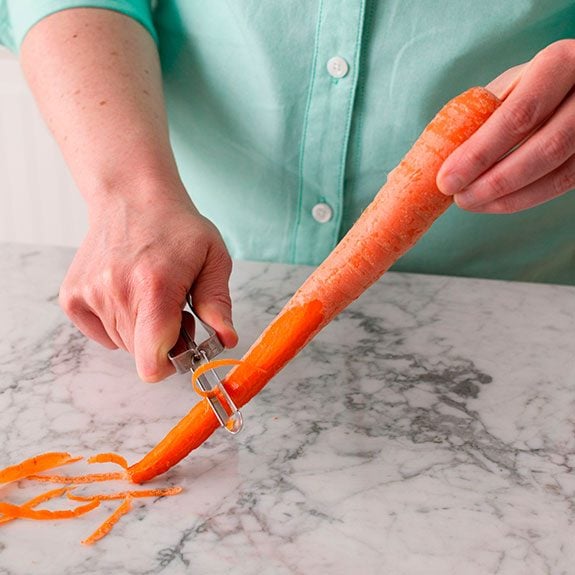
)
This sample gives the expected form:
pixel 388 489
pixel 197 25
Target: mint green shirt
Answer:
pixel 287 115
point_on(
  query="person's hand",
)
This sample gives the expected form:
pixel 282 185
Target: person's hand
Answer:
pixel 127 284
pixel 524 154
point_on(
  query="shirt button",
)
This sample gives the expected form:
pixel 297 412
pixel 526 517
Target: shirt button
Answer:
pixel 337 67
pixel 322 213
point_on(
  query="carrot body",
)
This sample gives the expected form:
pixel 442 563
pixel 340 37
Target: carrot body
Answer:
pixel 403 210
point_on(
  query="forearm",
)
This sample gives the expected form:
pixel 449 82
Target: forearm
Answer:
pixel 96 77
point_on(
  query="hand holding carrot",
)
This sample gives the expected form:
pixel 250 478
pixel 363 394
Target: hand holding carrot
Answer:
pixel 525 154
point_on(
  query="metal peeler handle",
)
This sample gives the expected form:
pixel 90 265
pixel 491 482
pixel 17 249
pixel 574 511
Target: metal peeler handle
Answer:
pixel 194 355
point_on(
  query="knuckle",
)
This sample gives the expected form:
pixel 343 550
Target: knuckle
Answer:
pixel 497 184
pixel 224 260
pixel 521 118
pixel 151 278
pixel 221 298
pixel 564 180
pixel 477 157
pixel 558 146
pixel 69 300
pixel 508 205
pixel 109 279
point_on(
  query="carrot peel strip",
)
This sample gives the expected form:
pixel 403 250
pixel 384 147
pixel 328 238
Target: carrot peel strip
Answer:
pixel 109 458
pixel 13 511
pixel 42 498
pixel 123 494
pixel 27 510
pixel 204 368
pixel 33 465
pixel 109 523
pixel 88 478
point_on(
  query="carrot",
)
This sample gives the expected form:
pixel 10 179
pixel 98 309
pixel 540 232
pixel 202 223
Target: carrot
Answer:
pixel 402 211
pixel 107 525
pixel 35 464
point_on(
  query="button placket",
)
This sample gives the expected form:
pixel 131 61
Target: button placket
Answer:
pixel 327 129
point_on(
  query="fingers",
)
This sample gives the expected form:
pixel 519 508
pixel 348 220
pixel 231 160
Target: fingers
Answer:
pixel 85 320
pixel 501 158
pixel 159 318
pixel 211 298
pixel 551 186
pixel 156 331
pixel 546 151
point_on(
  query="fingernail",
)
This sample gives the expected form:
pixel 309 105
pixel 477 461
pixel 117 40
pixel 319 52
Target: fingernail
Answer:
pixel 450 184
pixel 230 325
pixel 465 200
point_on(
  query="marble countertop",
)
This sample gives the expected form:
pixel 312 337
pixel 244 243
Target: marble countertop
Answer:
pixel 430 429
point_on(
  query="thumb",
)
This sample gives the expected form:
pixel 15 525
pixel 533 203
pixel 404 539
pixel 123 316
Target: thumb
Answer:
pixel 156 331
pixel 212 301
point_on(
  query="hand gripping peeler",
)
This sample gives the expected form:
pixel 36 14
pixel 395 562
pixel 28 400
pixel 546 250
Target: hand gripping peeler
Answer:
pixel 187 356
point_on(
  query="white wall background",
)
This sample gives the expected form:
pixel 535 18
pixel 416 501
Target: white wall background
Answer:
pixel 39 203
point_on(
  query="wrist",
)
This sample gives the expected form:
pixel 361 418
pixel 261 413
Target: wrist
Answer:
pixel 140 187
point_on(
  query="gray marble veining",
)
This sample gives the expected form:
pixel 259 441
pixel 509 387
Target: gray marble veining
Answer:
pixel 430 429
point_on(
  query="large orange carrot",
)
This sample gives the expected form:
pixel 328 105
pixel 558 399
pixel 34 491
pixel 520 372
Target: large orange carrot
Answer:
pixel 403 210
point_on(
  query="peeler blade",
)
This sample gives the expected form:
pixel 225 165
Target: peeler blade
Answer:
pixel 187 356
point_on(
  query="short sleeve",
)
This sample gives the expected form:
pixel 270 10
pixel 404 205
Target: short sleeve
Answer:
pixel 18 16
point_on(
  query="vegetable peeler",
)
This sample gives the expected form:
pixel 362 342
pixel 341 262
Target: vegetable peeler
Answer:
pixel 187 356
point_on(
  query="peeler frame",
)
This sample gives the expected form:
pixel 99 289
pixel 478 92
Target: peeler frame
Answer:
pixel 195 355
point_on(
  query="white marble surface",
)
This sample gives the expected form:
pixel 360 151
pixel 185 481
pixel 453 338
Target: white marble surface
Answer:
pixel 429 430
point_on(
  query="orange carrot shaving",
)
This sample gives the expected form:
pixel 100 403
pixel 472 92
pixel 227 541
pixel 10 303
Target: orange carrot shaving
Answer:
pixel 43 497
pixel 109 458
pixel 42 462
pixel 21 511
pixel 109 523
pixel 402 211
pixel 208 366
pixel 88 478
pixel 168 491
pixel 9 511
